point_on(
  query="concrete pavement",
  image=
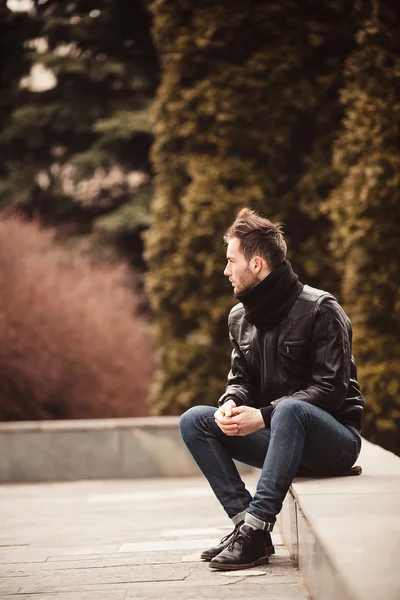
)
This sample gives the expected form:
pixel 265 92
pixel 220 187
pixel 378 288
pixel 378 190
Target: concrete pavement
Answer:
pixel 125 539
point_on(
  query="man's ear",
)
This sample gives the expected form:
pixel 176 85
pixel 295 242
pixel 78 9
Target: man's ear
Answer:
pixel 258 264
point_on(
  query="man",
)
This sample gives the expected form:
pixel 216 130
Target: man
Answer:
pixel 292 399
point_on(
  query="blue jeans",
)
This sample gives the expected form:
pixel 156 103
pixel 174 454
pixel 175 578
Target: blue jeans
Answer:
pixel 301 435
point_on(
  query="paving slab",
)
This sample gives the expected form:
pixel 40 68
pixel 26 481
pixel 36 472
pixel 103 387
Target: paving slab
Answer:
pixel 124 540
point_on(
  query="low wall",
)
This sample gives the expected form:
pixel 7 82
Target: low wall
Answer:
pixel 344 532
pixel 93 449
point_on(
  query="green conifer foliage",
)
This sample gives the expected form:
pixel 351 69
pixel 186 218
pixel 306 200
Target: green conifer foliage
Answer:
pixel 69 153
pixel 237 122
pixel 15 62
pixel 365 209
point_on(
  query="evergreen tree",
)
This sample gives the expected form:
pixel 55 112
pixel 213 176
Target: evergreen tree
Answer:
pixel 365 208
pixel 15 63
pixel 77 152
pixel 245 115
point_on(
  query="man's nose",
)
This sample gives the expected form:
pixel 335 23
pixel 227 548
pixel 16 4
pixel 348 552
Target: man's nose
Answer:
pixel 226 271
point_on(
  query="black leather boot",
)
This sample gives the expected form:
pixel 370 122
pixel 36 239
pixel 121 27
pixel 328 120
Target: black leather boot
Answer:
pixel 245 549
pixel 210 553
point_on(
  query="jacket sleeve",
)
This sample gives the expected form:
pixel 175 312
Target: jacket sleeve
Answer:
pixel 330 357
pixel 239 387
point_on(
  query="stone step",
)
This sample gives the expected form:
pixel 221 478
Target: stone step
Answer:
pixel 344 532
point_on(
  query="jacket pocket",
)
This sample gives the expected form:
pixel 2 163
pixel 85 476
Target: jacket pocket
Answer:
pixel 245 349
pixel 292 349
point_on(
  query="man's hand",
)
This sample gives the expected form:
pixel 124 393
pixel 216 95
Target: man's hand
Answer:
pixel 223 418
pixel 248 419
pixel 238 420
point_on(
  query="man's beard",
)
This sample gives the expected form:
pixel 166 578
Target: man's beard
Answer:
pixel 247 281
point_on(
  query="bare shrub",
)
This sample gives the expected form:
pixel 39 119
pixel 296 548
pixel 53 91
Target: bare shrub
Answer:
pixel 71 343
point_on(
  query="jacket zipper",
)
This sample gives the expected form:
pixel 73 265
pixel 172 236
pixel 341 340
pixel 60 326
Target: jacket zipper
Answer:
pixel 271 344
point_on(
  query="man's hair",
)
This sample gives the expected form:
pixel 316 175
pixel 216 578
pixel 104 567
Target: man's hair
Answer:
pixel 258 237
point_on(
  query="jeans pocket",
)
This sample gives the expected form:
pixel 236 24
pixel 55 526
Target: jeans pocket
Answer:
pixel 346 459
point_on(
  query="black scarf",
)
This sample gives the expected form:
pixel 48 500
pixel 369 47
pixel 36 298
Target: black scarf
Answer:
pixel 269 301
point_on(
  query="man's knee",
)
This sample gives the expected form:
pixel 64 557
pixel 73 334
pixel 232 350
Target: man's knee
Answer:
pixel 187 418
pixel 194 417
pixel 289 406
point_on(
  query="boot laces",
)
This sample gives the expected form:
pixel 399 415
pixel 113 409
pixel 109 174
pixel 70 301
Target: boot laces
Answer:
pixel 232 533
pixel 239 536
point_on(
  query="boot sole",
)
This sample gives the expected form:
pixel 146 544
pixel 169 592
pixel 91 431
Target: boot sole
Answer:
pixel 208 557
pixel 229 567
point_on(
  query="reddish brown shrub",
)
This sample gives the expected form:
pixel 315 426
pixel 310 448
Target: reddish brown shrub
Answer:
pixel 71 344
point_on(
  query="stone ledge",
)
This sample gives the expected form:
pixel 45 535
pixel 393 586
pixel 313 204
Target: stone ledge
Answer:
pixel 87 424
pixel 345 531
pixel 72 450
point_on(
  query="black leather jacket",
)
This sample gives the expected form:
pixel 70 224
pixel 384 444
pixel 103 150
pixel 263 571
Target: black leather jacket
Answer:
pixel 307 356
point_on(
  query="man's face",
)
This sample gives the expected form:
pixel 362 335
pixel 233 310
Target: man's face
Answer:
pixel 238 269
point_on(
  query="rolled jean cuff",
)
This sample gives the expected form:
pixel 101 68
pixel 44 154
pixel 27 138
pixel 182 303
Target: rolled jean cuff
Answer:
pixel 257 523
pixel 239 518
